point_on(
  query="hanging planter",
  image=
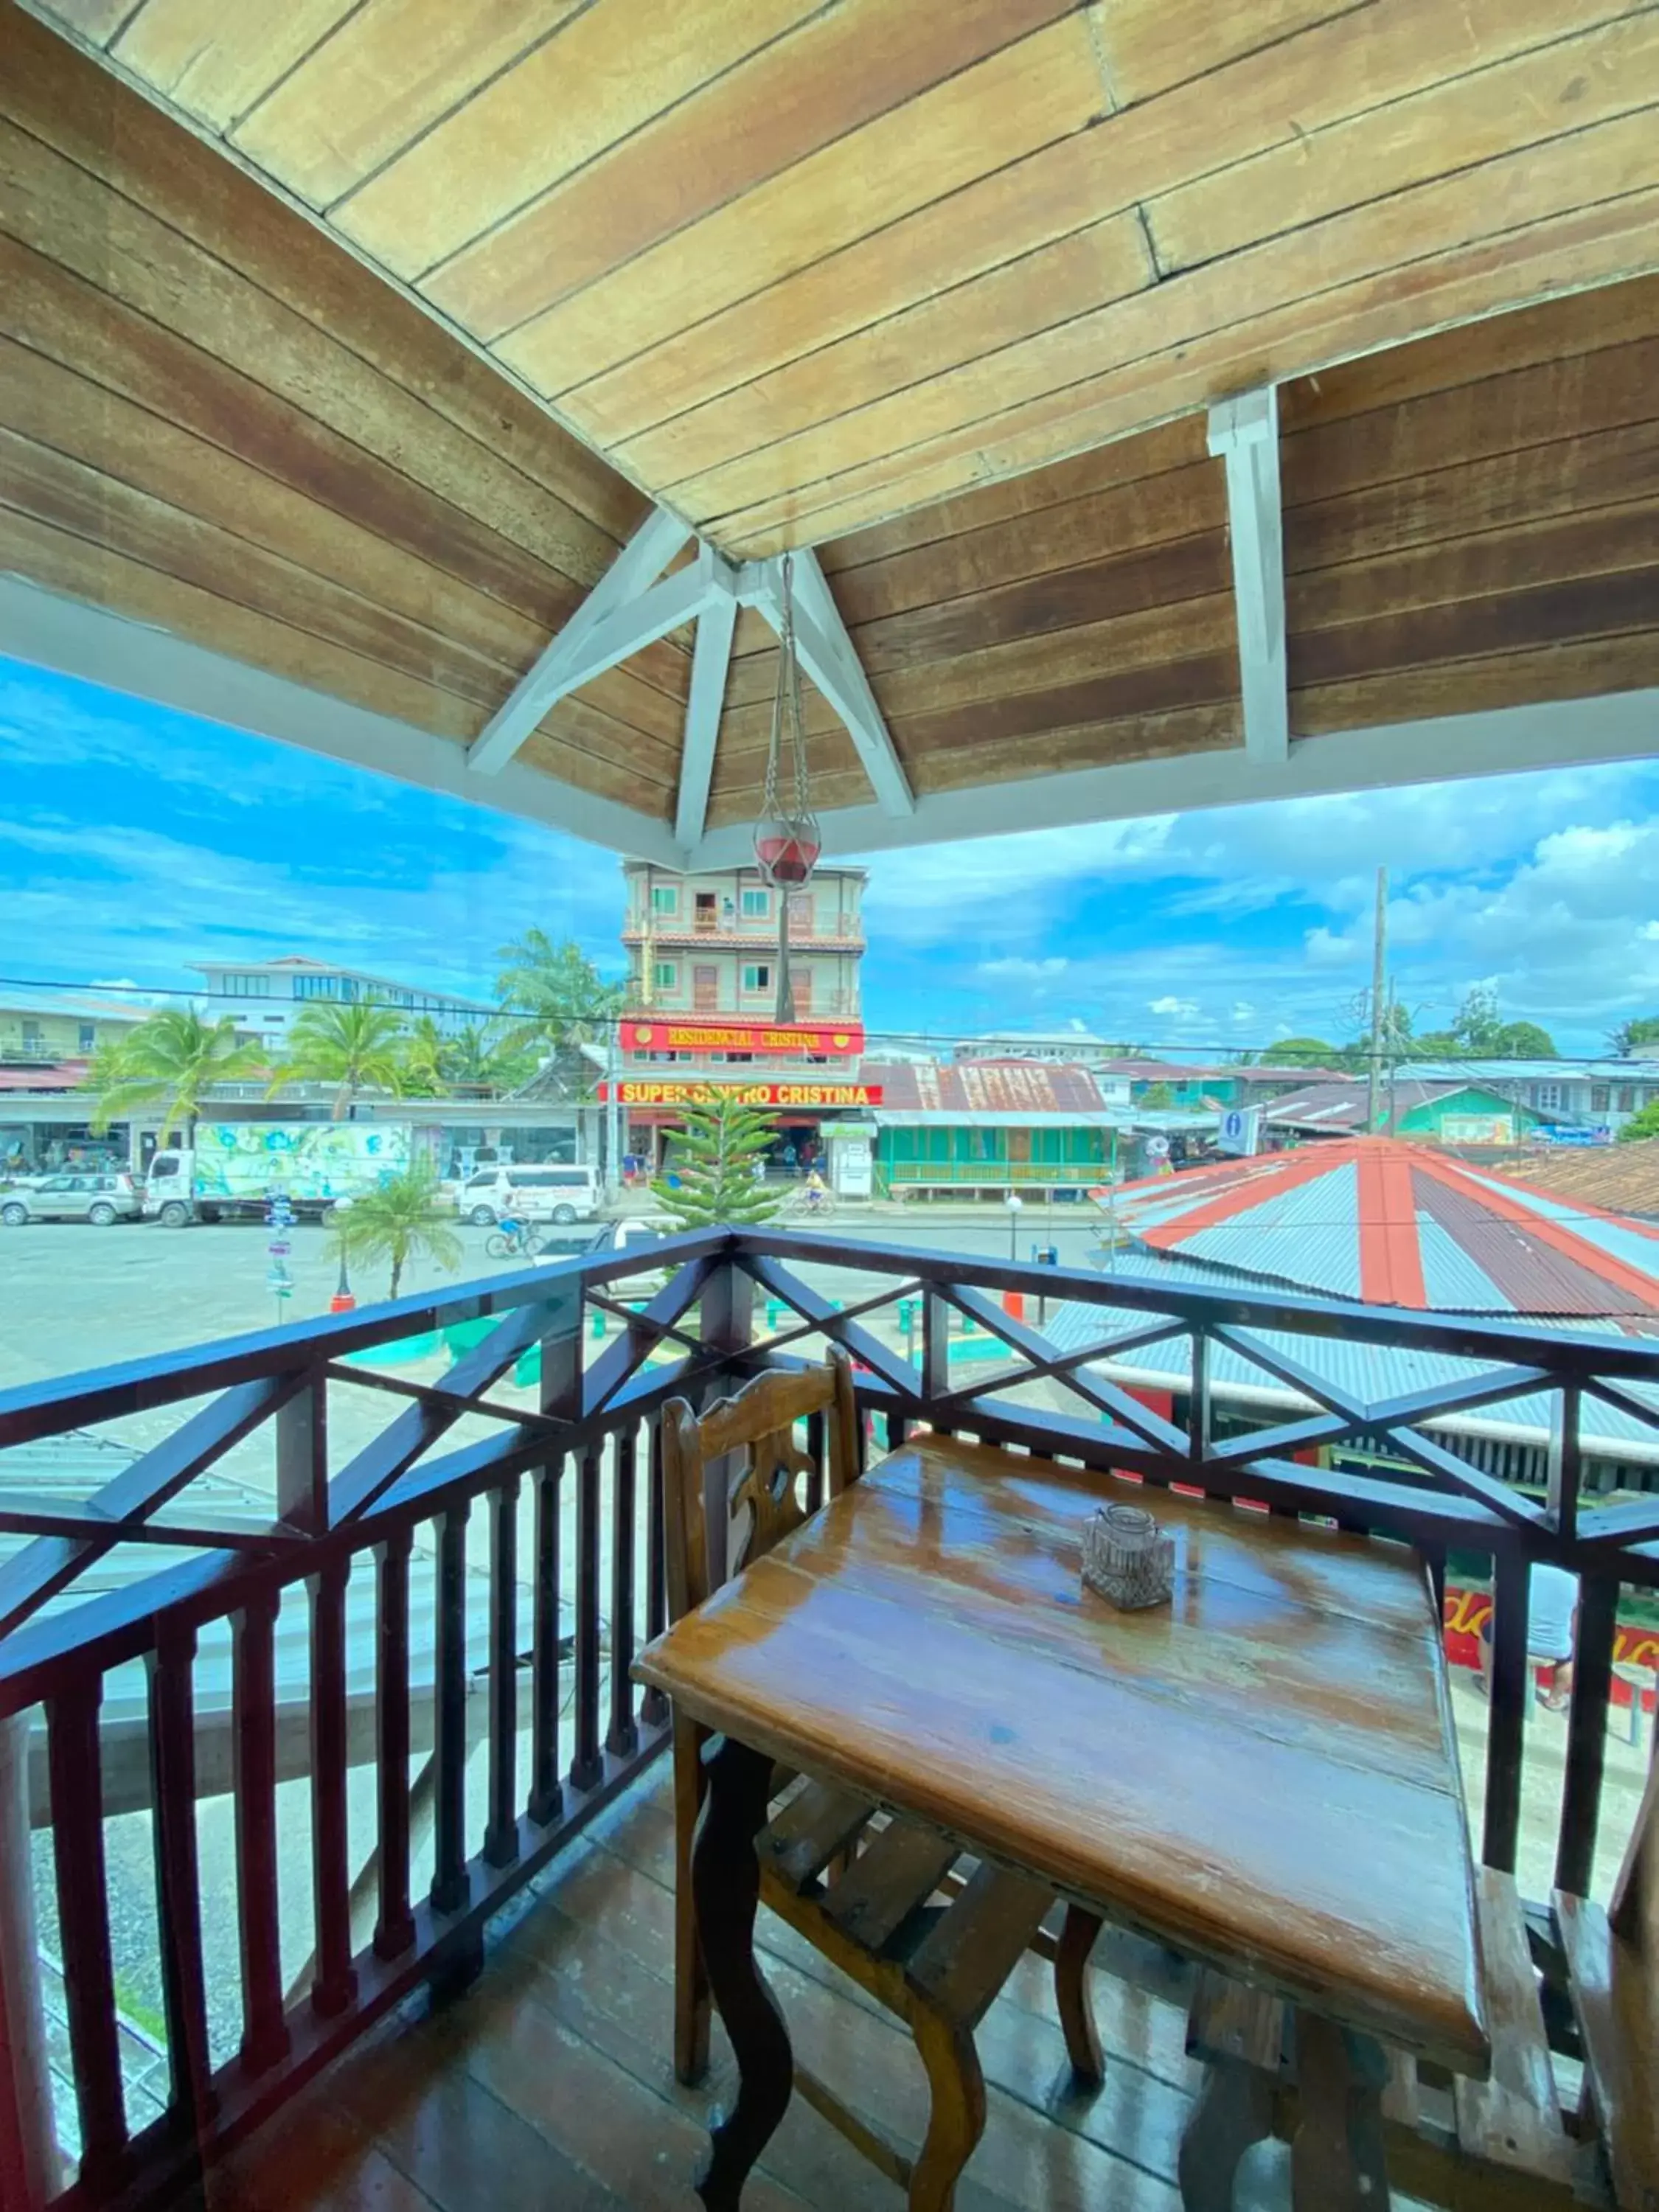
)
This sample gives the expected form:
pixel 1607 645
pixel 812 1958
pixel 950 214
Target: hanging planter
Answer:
pixel 787 842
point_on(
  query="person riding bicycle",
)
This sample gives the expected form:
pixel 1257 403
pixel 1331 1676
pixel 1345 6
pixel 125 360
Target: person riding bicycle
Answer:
pixel 815 1196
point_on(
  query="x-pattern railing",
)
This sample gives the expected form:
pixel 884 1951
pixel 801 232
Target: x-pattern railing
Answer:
pixel 582 1554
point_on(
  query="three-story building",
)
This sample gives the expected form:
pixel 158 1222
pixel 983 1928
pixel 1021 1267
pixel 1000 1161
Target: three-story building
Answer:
pixel 704 949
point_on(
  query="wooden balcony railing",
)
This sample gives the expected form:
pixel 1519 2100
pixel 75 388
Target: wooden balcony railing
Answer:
pixel 542 1606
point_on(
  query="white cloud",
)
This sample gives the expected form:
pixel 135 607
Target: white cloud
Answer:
pixel 1324 948
pixel 1014 970
pixel 1179 1010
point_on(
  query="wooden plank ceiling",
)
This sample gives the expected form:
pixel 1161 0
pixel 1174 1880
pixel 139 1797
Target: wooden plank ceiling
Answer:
pixel 943 289
pixel 798 267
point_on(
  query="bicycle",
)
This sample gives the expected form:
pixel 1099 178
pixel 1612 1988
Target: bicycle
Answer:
pixel 513 1240
pixel 818 1200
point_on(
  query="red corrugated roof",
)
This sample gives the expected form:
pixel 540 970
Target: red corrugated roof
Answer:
pixel 54 1075
pixel 1399 1224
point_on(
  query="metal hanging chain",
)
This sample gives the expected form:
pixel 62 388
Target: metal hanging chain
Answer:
pixel 786 709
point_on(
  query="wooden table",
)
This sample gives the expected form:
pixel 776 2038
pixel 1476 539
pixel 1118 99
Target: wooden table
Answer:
pixel 1262 1774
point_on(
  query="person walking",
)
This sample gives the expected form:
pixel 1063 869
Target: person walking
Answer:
pixel 1552 1626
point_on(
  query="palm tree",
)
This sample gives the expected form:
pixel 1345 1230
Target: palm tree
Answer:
pixel 173 1059
pixel 403 1219
pixel 554 992
pixel 355 1048
pixel 479 1058
pixel 425 1049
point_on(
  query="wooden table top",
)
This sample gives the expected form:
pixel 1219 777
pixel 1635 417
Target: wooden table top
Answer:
pixel 1263 1773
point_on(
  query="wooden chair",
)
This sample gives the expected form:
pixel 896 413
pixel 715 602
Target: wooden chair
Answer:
pixel 882 1900
pixel 1501 2142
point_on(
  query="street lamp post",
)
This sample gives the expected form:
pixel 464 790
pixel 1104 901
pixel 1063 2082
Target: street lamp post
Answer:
pixel 343 1300
pixel 1014 1206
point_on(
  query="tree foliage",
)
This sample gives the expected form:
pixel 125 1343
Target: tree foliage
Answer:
pixel 355 1047
pixel 406 1219
pixel 715 1160
pixel 481 1057
pixel 1643 1029
pixel 1645 1124
pixel 172 1059
pixel 1302 1052
pixel 552 993
pixel 1479 1031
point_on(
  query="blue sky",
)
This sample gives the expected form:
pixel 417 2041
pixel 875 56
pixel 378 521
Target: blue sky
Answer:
pixel 134 841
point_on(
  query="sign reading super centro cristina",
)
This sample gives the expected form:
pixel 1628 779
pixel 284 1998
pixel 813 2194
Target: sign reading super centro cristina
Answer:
pixel 691 1093
pixel 679 1034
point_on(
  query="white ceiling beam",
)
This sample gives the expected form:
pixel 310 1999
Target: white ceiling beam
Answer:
pixel 1502 741
pixel 47 630
pixel 828 658
pixel 599 628
pixel 1245 435
pixel 710 660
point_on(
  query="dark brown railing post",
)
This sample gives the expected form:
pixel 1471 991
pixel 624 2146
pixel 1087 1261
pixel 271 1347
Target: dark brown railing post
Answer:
pixel 653 1706
pixel 1505 1746
pixel 336 1983
pixel 177 1881
pixel 588 1764
pixel 1198 1404
pixel 546 1796
pixel 1587 1732
pixel 253 1713
pixel 302 1427
pixel 935 1353
pixel 622 1737
pixel 501 1836
pixel 29 2160
pixel 1566 1461
pixel 394 1926
pixel 77 1835
pixel 450 1885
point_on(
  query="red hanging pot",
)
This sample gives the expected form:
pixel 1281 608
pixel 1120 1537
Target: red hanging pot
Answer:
pixel 787 852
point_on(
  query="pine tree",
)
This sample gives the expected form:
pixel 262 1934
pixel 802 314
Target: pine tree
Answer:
pixel 714 1162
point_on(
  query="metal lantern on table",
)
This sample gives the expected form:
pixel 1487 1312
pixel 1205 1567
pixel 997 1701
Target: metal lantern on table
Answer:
pixel 787 839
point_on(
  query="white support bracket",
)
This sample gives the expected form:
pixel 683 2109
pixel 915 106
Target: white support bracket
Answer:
pixel 828 657
pixel 710 660
pixel 1245 433
pixel 626 611
pixel 634 605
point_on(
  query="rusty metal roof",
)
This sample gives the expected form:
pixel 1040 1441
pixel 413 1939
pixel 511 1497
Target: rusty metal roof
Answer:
pixel 977 1086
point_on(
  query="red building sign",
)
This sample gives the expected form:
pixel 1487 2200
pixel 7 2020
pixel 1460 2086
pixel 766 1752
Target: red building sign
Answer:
pixel 739 1033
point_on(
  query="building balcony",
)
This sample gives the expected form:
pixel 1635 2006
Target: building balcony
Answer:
pixel 320 1720
pixel 749 937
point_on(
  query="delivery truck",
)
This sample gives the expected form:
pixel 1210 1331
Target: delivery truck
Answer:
pixel 235 1168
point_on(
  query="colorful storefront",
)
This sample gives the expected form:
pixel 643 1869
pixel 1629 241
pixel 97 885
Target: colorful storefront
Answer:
pixel 990 1153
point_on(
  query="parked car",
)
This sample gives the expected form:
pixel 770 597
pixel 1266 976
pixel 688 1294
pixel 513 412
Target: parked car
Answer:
pixel 618 1237
pixel 562 1194
pixel 102 1199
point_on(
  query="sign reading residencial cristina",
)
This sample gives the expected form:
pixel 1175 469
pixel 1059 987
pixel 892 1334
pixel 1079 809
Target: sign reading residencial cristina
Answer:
pixel 678 1034
pixel 694 1093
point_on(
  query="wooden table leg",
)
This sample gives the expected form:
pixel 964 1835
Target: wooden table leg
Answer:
pixel 1336 2158
pixel 725 1884
pixel 1234 2111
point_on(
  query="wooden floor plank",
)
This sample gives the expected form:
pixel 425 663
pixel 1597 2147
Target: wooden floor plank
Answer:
pixel 550 2083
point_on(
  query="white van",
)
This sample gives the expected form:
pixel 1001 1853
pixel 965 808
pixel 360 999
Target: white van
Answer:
pixel 526 1194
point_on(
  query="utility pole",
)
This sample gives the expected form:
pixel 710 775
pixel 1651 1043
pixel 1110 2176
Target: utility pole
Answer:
pixel 613 1126
pixel 1379 962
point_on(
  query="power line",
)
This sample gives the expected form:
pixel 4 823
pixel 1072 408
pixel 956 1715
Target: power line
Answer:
pixel 1219 1054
